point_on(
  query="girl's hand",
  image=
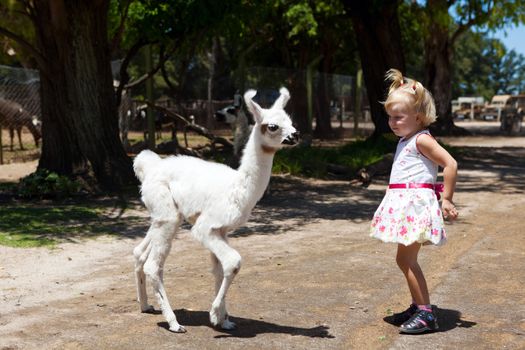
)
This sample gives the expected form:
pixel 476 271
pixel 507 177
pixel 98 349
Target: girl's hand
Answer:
pixel 449 210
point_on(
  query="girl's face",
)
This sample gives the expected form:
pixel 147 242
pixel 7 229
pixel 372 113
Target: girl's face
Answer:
pixel 403 120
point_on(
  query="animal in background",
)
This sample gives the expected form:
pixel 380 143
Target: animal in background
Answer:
pixel 14 117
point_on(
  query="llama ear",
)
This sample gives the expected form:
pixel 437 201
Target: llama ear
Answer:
pixel 253 107
pixel 283 98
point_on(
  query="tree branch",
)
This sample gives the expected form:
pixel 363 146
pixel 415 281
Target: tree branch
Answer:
pixel 167 80
pixel 476 18
pixel 117 38
pixel 123 73
pixel 182 74
pixel 188 125
pixel 25 45
pixel 151 73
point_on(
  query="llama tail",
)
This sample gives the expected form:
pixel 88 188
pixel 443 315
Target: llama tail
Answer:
pixel 143 161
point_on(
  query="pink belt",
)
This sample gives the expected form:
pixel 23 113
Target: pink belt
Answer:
pixel 436 187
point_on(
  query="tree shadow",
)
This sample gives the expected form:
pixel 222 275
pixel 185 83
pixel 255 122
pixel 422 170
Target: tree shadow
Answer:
pixel 294 202
pixel 504 164
pixel 246 328
pixel 447 319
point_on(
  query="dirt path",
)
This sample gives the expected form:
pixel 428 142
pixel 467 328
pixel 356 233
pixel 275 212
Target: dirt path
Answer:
pixel 311 278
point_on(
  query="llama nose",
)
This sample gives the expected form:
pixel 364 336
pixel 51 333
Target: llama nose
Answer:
pixel 292 139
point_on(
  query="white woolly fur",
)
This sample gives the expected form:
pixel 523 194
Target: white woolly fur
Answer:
pixel 213 197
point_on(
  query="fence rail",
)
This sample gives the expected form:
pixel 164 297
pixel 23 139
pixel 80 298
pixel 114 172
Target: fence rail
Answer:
pixel 20 100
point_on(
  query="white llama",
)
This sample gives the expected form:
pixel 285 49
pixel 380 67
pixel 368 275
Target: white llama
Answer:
pixel 214 198
pixel 240 125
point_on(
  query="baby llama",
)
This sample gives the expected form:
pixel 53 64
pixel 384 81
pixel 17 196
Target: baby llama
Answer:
pixel 214 198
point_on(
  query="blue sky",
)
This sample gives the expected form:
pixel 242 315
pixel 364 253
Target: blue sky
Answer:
pixel 515 38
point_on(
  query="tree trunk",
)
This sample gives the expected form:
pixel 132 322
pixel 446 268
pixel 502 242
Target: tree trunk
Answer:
pixel 323 126
pixel 80 124
pixel 212 56
pixel 438 70
pixel 378 35
pixel 299 103
pixel 323 123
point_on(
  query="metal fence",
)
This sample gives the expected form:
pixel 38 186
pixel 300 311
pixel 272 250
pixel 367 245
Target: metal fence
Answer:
pixel 20 99
pixel 19 107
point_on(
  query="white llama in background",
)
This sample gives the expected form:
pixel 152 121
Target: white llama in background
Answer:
pixel 214 198
pixel 238 120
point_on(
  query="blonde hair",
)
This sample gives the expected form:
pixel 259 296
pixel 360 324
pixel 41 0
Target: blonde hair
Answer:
pixel 401 88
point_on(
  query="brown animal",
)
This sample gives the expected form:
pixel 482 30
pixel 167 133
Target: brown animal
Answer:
pixel 15 117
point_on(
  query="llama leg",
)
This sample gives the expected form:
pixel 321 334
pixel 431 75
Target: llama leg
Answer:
pixel 230 260
pixel 141 253
pixel 217 272
pixel 165 222
pixel 161 237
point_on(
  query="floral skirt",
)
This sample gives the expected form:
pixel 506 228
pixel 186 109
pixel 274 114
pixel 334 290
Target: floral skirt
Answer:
pixel 409 215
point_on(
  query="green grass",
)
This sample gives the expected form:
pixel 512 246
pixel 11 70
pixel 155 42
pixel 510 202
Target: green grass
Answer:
pixel 45 226
pixel 313 161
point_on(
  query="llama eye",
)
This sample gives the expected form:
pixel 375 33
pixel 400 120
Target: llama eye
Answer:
pixel 273 127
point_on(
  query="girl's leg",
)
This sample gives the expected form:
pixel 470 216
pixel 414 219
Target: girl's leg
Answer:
pixel 407 261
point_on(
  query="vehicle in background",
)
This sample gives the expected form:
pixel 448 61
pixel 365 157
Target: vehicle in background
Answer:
pixel 493 110
pixel 511 115
pixel 467 107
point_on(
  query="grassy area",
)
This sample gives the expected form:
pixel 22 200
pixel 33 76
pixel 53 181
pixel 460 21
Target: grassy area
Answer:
pixel 47 225
pixel 30 225
pixel 313 161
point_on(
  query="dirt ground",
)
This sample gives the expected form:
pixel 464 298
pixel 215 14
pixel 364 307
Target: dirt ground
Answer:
pixel 311 276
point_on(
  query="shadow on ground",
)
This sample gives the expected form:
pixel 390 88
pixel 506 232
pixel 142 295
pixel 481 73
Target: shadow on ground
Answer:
pixel 291 203
pixel 503 167
pixel 447 319
pixel 246 328
pixel 307 201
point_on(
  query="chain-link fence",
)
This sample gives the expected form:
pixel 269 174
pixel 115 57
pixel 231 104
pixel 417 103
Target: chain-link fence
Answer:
pixel 20 101
pixel 19 108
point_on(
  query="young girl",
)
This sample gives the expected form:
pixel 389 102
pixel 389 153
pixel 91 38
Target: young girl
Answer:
pixel 409 214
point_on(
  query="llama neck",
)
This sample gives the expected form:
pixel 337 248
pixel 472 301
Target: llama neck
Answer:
pixel 256 166
pixel 242 122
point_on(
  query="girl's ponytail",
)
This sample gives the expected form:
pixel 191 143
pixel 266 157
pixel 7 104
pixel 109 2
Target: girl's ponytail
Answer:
pixel 423 102
pixel 396 79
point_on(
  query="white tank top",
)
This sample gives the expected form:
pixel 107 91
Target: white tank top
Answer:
pixel 410 165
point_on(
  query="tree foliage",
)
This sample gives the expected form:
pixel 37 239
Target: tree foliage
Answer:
pixel 443 23
pixel 193 39
pixel 483 66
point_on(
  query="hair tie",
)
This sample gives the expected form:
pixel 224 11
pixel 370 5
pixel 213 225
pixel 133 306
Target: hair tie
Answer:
pixel 407 88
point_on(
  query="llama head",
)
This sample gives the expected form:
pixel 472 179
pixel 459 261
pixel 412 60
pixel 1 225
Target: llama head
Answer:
pixel 274 124
pixel 227 114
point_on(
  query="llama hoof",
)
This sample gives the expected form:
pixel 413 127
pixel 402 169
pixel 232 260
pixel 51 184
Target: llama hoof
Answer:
pixel 214 319
pixel 148 309
pixel 228 325
pixel 218 315
pixel 177 328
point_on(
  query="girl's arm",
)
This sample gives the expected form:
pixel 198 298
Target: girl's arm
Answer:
pixel 431 149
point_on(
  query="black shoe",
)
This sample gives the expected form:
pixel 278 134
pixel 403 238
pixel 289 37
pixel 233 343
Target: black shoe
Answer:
pixel 401 317
pixel 420 322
